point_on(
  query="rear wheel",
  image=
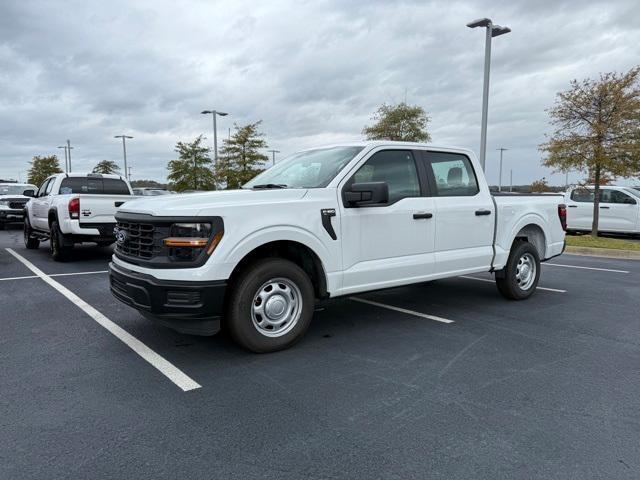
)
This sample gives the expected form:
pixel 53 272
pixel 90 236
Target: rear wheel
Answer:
pixel 30 241
pixel 519 278
pixel 56 243
pixel 270 306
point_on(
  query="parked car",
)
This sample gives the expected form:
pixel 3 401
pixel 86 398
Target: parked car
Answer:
pixel 619 209
pixel 150 192
pixel 327 222
pixel 71 208
pixel 12 201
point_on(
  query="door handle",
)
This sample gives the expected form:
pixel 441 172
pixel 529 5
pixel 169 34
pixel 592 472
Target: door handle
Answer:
pixel 603 207
pixel 573 206
pixel 418 216
pixel 483 212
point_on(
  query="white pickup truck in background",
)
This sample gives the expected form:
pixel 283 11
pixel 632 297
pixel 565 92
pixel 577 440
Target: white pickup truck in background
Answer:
pixel 322 223
pixel 13 200
pixel 619 210
pixel 71 208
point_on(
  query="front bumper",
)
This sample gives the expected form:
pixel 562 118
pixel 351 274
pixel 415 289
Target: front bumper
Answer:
pixel 11 215
pixel 194 308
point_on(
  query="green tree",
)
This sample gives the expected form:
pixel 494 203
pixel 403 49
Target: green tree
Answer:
pixel 539 186
pixel 192 169
pixel 42 167
pixel 147 183
pixel 106 167
pixel 402 122
pixel 239 159
pixel 597 130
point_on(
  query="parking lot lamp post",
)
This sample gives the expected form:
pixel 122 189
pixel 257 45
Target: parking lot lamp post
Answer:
pixel 491 31
pixel 511 180
pixel 124 153
pixel 69 148
pixel 500 176
pixel 214 114
pixel 273 155
pixel 66 162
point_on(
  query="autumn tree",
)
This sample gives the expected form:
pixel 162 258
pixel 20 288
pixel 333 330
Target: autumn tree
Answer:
pixel 597 130
pixel 539 186
pixel 43 167
pixel 106 167
pixel 240 159
pixel 402 122
pixel 192 168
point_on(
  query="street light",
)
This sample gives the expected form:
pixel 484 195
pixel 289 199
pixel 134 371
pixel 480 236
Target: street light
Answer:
pixel 273 153
pixel 66 162
pixel 492 31
pixel 500 177
pixel 69 148
pixel 214 113
pixel 124 152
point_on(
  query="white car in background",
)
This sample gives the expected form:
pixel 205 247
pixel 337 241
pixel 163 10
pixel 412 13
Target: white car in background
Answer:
pixel 619 209
pixel 13 200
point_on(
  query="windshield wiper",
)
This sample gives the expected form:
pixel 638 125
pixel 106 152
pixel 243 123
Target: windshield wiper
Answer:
pixel 269 185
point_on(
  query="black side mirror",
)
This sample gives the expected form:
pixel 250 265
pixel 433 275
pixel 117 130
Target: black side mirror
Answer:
pixel 29 193
pixel 367 193
pixel 630 201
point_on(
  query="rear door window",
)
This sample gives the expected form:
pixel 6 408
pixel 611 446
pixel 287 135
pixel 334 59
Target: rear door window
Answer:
pixel 582 195
pixel 453 174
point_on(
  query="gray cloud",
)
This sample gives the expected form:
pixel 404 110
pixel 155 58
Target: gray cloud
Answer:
pixel 313 71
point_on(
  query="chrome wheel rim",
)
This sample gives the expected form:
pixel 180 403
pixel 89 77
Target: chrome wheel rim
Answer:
pixel 526 270
pixel 276 307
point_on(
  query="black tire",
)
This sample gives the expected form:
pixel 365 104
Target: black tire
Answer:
pixel 510 281
pixel 1 225
pixel 30 242
pixel 242 321
pixel 56 248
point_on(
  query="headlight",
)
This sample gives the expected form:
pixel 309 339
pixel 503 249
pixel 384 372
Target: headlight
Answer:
pixel 187 241
pixel 4 203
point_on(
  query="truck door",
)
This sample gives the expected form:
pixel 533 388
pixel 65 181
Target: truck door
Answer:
pixel 40 205
pixel 618 212
pixel 465 214
pixel 387 244
pixel 580 209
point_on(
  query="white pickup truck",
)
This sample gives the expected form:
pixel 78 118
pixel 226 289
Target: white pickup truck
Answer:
pixel 619 209
pixel 13 200
pixel 325 223
pixel 71 208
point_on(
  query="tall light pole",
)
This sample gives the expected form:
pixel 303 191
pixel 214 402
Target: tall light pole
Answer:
pixel 66 162
pixel 273 154
pixel 492 31
pixel 69 148
pixel 500 176
pixel 214 114
pixel 511 180
pixel 124 153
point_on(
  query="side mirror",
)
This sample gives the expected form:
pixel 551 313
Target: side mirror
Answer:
pixel 367 193
pixel 630 201
pixel 29 193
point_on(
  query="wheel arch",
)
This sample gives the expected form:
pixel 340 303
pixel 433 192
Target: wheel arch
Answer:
pixel 532 229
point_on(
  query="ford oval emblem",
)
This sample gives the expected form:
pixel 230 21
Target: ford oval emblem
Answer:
pixel 121 236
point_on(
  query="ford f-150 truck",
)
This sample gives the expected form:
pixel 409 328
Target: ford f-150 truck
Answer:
pixel 13 200
pixel 71 208
pixel 322 223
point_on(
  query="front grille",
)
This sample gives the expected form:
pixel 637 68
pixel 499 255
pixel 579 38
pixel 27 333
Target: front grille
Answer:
pixel 17 203
pixel 138 240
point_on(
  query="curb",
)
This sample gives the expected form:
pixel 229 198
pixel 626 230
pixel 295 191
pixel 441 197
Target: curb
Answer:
pixel 603 252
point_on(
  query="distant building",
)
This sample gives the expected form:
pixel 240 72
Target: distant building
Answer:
pixel 8 181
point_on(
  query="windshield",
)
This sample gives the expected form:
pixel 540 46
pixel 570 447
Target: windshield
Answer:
pixel 634 191
pixel 15 189
pixel 309 169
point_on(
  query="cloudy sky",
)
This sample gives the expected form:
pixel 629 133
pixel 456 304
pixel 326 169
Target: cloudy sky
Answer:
pixel 313 71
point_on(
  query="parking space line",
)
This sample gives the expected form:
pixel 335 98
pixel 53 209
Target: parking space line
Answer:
pixel 546 289
pixel 402 310
pixel 165 367
pixel 586 268
pixel 54 275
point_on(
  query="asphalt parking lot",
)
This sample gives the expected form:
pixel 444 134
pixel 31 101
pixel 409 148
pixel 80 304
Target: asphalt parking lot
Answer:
pixel 440 380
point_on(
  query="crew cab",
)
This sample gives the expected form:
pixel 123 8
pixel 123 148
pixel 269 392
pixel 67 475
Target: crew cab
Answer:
pixel 71 208
pixel 619 209
pixel 13 200
pixel 326 222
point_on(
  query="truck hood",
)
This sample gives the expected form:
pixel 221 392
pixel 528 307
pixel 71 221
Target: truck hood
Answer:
pixel 193 203
pixel 14 197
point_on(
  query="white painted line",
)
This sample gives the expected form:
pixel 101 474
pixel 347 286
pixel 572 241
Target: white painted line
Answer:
pixel 546 289
pixel 54 275
pixel 403 310
pixel 169 370
pixel 586 268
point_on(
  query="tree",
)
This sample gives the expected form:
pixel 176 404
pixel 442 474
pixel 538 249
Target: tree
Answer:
pixel 192 169
pixel 539 186
pixel 402 122
pixel 43 167
pixel 147 183
pixel 597 129
pixel 106 167
pixel 239 160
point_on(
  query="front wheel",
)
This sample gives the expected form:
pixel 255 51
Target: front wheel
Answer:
pixel 270 306
pixel 519 278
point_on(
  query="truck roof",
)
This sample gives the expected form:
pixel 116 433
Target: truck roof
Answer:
pixel 89 174
pixel 392 143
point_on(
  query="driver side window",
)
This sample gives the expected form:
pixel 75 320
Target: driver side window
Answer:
pixel 43 187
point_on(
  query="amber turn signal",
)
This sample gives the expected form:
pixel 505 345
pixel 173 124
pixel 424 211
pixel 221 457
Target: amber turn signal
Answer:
pixel 185 242
pixel 214 243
